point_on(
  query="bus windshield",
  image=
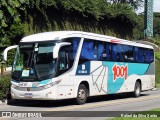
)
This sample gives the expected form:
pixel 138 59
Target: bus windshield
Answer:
pixel 34 61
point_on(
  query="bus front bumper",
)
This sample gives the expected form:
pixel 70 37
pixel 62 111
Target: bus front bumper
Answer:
pixel 33 94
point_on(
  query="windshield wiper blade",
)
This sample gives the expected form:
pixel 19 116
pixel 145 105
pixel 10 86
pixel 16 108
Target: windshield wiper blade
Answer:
pixel 36 70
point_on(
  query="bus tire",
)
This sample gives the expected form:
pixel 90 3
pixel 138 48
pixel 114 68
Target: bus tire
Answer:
pixel 137 89
pixel 82 94
pixel 12 101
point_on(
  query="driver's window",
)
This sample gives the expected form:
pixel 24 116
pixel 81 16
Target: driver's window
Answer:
pixel 63 58
pixel 63 61
pixel 67 55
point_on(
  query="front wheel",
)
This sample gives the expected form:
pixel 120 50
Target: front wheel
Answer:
pixel 137 90
pixel 82 94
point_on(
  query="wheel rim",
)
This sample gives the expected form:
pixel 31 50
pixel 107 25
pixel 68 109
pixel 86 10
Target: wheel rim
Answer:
pixel 137 89
pixel 82 94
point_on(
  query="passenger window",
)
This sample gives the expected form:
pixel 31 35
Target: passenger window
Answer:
pixel 128 53
pixel 75 43
pixel 140 55
pixel 100 51
pixel 114 52
pixel 108 51
pixel 136 54
pixel 120 54
pixel 149 56
pixel 88 50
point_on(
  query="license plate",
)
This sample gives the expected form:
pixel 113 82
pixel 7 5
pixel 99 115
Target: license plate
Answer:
pixel 28 95
pixel 24 84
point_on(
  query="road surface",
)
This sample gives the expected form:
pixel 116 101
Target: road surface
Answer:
pixel 96 108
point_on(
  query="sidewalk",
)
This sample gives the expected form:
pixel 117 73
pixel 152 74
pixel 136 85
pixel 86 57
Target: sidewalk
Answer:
pixel 7 71
pixel 3 102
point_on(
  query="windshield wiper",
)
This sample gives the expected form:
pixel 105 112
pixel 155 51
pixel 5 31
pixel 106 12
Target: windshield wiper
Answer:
pixel 36 70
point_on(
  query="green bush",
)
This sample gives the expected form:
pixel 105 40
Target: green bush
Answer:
pixel 4 86
pixel 157 73
pixel 157 55
pixel 10 57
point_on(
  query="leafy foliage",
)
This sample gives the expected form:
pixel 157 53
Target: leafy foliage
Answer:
pixel 139 29
pixel 13 13
pixel 4 86
pixel 9 15
pixel 10 58
pixel 157 71
pixel 157 55
pixel 99 9
pixel 156 24
pixel 134 3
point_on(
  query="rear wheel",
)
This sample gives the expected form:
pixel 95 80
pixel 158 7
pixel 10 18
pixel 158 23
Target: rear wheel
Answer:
pixel 137 90
pixel 82 94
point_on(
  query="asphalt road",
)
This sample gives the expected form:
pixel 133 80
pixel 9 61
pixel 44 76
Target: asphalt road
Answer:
pixel 96 108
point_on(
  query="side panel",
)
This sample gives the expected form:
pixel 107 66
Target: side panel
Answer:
pixel 95 74
pixel 122 76
pixel 66 87
pixel 106 77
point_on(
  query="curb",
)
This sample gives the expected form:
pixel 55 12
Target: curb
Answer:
pixel 3 102
pixel 154 89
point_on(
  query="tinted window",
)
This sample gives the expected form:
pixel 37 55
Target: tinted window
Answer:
pixel 114 52
pixel 73 47
pixel 120 53
pixel 108 51
pixel 128 53
pixel 136 54
pixel 88 50
pixel 100 51
pixel 149 55
pixel 67 55
pixel 140 55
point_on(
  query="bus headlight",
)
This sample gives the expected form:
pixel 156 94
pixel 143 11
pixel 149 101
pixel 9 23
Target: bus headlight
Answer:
pixel 51 84
pixel 13 86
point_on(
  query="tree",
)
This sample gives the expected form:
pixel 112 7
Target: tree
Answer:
pixel 156 24
pixel 134 3
pixel 13 13
pixel 9 15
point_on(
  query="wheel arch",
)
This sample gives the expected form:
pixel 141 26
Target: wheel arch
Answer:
pixel 86 84
pixel 140 82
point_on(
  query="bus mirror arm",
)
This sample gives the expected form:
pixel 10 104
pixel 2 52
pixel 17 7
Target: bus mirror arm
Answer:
pixel 5 52
pixel 57 47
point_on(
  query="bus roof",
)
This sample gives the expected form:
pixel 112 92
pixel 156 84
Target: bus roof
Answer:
pixel 58 35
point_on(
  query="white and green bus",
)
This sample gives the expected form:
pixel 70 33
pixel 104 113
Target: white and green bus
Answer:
pixel 73 64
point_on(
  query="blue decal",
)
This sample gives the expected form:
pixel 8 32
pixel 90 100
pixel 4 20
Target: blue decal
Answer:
pixel 83 69
pixel 35 84
pixel 45 81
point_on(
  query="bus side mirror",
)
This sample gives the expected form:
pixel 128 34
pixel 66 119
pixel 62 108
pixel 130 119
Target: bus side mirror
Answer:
pixel 57 47
pixel 6 51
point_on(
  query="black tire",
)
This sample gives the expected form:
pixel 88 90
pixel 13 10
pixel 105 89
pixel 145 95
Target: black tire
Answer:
pixel 137 89
pixel 9 98
pixel 11 101
pixel 82 94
